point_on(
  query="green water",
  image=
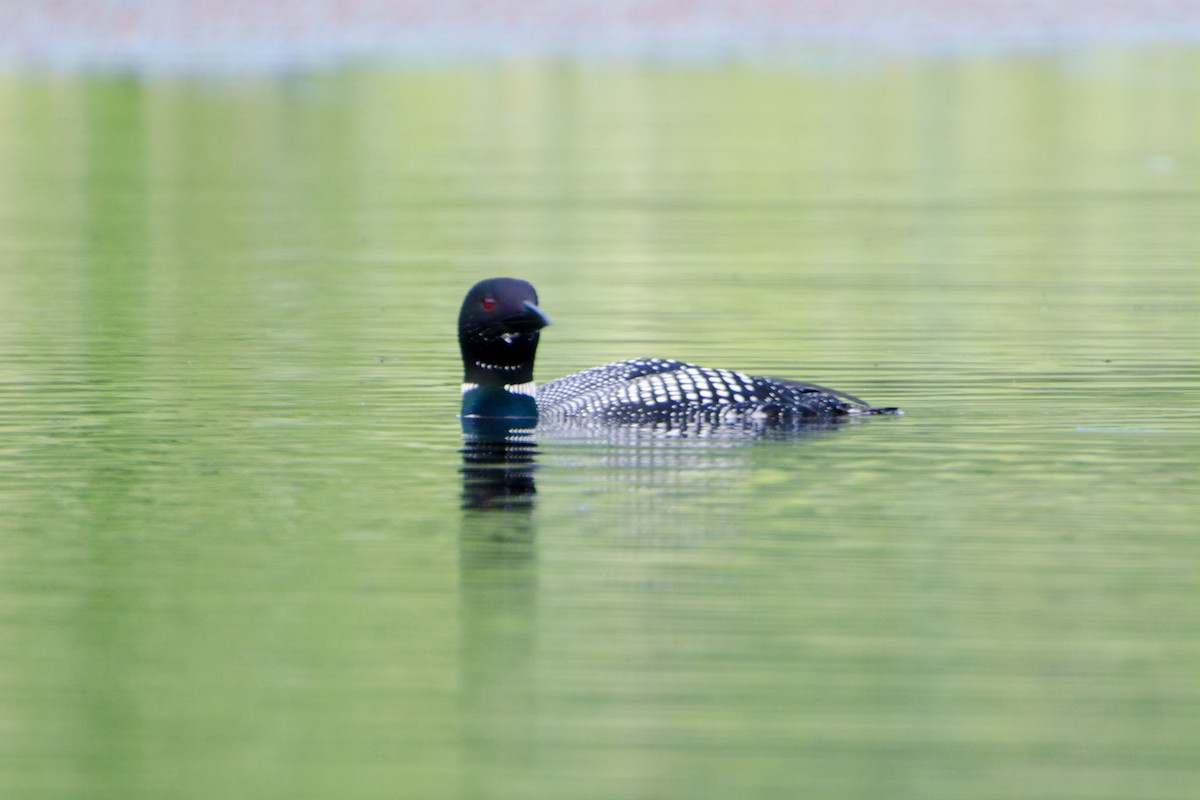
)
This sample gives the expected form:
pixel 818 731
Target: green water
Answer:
pixel 234 560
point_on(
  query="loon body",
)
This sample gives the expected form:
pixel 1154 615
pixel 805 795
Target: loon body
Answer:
pixel 498 329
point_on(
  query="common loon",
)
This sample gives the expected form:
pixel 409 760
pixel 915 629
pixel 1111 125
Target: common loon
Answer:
pixel 498 329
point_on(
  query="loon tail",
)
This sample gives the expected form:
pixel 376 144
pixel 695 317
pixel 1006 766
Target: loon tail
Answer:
pixel 857 405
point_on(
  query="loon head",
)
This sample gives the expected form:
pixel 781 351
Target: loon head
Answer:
pixel 498 332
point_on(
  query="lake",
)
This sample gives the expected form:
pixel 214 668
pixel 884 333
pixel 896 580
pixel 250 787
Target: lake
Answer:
pixel 240 551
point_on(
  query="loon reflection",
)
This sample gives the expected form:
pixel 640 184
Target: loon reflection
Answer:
pixel 498 464
pixel 499 457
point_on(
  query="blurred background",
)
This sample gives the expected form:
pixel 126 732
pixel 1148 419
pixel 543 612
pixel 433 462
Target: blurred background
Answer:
pixel 222 36
pixel 242 555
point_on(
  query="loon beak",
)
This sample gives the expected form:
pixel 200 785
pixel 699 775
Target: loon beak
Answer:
pixel 533 318
pixel 526 322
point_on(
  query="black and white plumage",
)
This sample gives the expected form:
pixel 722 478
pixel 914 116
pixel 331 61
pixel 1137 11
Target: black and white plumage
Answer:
pixel 658 390
pixel 498 334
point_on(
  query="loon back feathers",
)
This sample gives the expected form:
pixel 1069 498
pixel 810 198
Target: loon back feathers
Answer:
pixel 498 328
pixel 657 390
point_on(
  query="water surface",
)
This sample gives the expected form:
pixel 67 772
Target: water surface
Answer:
pixel 234 551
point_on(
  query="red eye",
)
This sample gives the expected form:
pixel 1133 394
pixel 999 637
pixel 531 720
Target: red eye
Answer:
pixel 488 303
